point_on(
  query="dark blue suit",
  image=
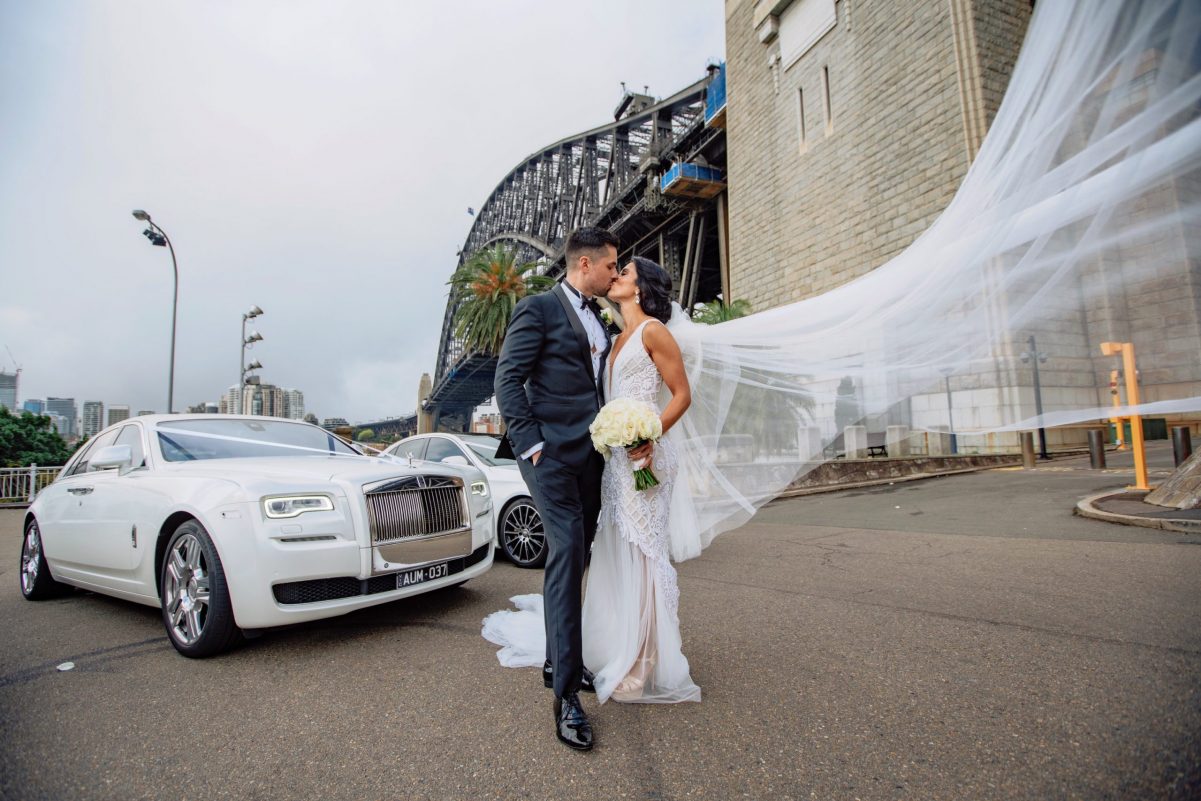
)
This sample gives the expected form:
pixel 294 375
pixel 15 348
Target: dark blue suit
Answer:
pixel 547 393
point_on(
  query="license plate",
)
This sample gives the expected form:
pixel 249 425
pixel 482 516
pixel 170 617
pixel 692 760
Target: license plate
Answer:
pixel 420 575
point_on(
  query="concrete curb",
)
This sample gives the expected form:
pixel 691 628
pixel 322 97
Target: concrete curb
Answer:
pixel 878 482
pixel 1086 508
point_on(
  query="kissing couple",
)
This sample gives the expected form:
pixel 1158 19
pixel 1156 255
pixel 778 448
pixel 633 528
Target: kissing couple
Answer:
pixel 557 369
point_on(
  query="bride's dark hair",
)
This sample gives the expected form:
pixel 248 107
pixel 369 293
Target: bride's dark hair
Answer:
pixel 654 289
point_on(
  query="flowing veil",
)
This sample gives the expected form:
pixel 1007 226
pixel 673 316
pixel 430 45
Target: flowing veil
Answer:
pixel 1079 222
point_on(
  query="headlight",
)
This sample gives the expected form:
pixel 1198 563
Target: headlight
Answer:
pixel 479 488
pixel 293 505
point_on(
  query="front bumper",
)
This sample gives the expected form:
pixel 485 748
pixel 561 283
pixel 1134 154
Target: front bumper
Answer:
pixel 278 575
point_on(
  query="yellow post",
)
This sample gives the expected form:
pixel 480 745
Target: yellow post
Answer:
pixel 1117 402
pixel 1136 422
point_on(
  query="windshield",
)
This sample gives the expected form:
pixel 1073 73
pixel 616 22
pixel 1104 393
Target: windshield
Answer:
pixel 187 440
pixel 485 448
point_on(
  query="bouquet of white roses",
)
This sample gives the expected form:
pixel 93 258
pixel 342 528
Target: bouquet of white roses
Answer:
pixel 627 423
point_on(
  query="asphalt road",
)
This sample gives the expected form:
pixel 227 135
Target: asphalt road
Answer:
pixel 956 638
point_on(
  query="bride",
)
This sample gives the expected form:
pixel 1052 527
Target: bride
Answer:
pixel 631 627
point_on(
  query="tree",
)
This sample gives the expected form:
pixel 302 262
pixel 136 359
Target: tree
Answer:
pixel 716 311
pixel 486 289
pixel 30 439
pixel 365 435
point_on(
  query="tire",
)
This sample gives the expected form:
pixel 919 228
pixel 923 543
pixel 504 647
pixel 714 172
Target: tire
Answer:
pixel 37 584
pixel 196 609
pixel 521 535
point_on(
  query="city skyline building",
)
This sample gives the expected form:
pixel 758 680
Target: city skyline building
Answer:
pixel 67 412
pixel 293 404
pixel 34 406
pixel 92 418
pixel 8 390
pixel 117 413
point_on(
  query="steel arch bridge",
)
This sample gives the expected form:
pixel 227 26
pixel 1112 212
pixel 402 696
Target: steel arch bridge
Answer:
pixel 612 176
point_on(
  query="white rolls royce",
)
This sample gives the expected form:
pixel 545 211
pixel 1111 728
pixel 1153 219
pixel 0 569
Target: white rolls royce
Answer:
pixel 234 524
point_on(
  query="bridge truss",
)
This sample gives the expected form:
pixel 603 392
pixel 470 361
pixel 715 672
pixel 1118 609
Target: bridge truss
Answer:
pixel 608 176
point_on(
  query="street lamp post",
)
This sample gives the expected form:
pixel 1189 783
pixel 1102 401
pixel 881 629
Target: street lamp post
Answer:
pixel 158 237
pixel 1034 358
pixel 255 336
pixel 946 377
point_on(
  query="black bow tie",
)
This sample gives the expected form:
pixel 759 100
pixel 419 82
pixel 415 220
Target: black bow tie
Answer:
pixel 585 303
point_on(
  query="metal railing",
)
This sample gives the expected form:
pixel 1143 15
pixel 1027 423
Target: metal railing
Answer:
pixel 19 485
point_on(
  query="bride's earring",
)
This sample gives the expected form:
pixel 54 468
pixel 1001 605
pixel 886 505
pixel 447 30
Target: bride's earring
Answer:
pixel 637 299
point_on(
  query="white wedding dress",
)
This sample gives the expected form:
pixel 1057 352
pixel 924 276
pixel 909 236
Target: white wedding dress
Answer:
pixel 631 626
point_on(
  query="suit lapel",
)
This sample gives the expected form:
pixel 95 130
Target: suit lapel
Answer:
pixel 580 334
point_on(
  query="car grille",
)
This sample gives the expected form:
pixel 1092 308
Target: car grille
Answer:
pixel 331 589
pixel 416 507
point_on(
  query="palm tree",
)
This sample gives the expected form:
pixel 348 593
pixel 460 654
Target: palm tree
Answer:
pixel 716 311
pixel 486 289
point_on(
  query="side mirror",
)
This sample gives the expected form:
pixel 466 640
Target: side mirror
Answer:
pixel 118 456
pixel 456 460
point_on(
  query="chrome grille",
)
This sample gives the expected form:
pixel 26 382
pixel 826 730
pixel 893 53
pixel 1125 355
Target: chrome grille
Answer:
pixel 416 511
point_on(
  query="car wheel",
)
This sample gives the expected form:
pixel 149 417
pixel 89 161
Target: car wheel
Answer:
pixel 521 534
pixel 36 582
pixel 195 600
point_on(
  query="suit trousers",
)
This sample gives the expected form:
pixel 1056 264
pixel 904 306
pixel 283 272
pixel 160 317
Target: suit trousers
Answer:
pixel 568 499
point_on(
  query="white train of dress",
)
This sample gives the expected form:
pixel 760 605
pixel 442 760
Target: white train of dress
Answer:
pixel 631 626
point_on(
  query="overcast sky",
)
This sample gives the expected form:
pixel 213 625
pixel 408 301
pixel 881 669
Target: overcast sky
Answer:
pixel 314 158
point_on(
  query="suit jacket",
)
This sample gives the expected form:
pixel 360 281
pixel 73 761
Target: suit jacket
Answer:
pixel 544 383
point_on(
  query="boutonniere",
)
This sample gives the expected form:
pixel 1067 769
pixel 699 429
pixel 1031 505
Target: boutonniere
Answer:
pixel 610 321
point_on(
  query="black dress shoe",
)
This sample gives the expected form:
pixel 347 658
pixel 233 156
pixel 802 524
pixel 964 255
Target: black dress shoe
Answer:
pixel 587 684
pixel 571 724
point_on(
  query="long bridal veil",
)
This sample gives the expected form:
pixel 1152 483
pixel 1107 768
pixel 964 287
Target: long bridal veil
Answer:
pixel 1076 224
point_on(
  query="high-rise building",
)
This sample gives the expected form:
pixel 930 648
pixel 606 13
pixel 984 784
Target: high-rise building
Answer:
pixel 65 408
pixel 61 424
pixel 293 404
pixel 34 406
pixel 8 390
pixel 231 401
pixel 93 418
pixel 117 413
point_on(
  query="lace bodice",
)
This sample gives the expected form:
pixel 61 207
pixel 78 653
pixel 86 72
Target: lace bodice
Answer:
pixel 640 517
pixel 633 374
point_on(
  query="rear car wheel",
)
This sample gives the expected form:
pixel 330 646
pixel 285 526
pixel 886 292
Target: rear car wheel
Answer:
pixel 521 535
pixel 195 600
pixel 36 582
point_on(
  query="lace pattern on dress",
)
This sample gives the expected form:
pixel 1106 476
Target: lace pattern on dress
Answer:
pixel 641 518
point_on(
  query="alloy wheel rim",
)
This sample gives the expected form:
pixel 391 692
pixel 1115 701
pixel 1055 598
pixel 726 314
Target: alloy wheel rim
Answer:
pixel 186 589
pixel 31 559
pixel 524 537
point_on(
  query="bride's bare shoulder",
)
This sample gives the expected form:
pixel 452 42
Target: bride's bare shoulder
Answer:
pixel 656 337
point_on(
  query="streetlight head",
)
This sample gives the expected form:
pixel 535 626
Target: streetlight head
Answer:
pixel 255 336
pixel 255 311
pixel 138 214
pixel 155 237
pixel 1025 357
pixel 254 365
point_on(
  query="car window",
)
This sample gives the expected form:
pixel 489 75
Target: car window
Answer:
pixel 440 449
pixel 92 448
pixel 212 438
pixel 131 435
pixel 410 448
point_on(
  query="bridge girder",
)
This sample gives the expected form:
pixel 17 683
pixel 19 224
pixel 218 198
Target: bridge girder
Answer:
pixel 599 176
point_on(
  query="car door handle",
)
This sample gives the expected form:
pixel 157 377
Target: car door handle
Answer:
pixel 80 490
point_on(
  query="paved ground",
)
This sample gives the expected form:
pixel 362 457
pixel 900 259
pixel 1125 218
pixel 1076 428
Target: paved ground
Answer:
pixel 956 638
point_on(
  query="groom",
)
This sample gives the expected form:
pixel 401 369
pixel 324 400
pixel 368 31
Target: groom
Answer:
pixel 549 391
